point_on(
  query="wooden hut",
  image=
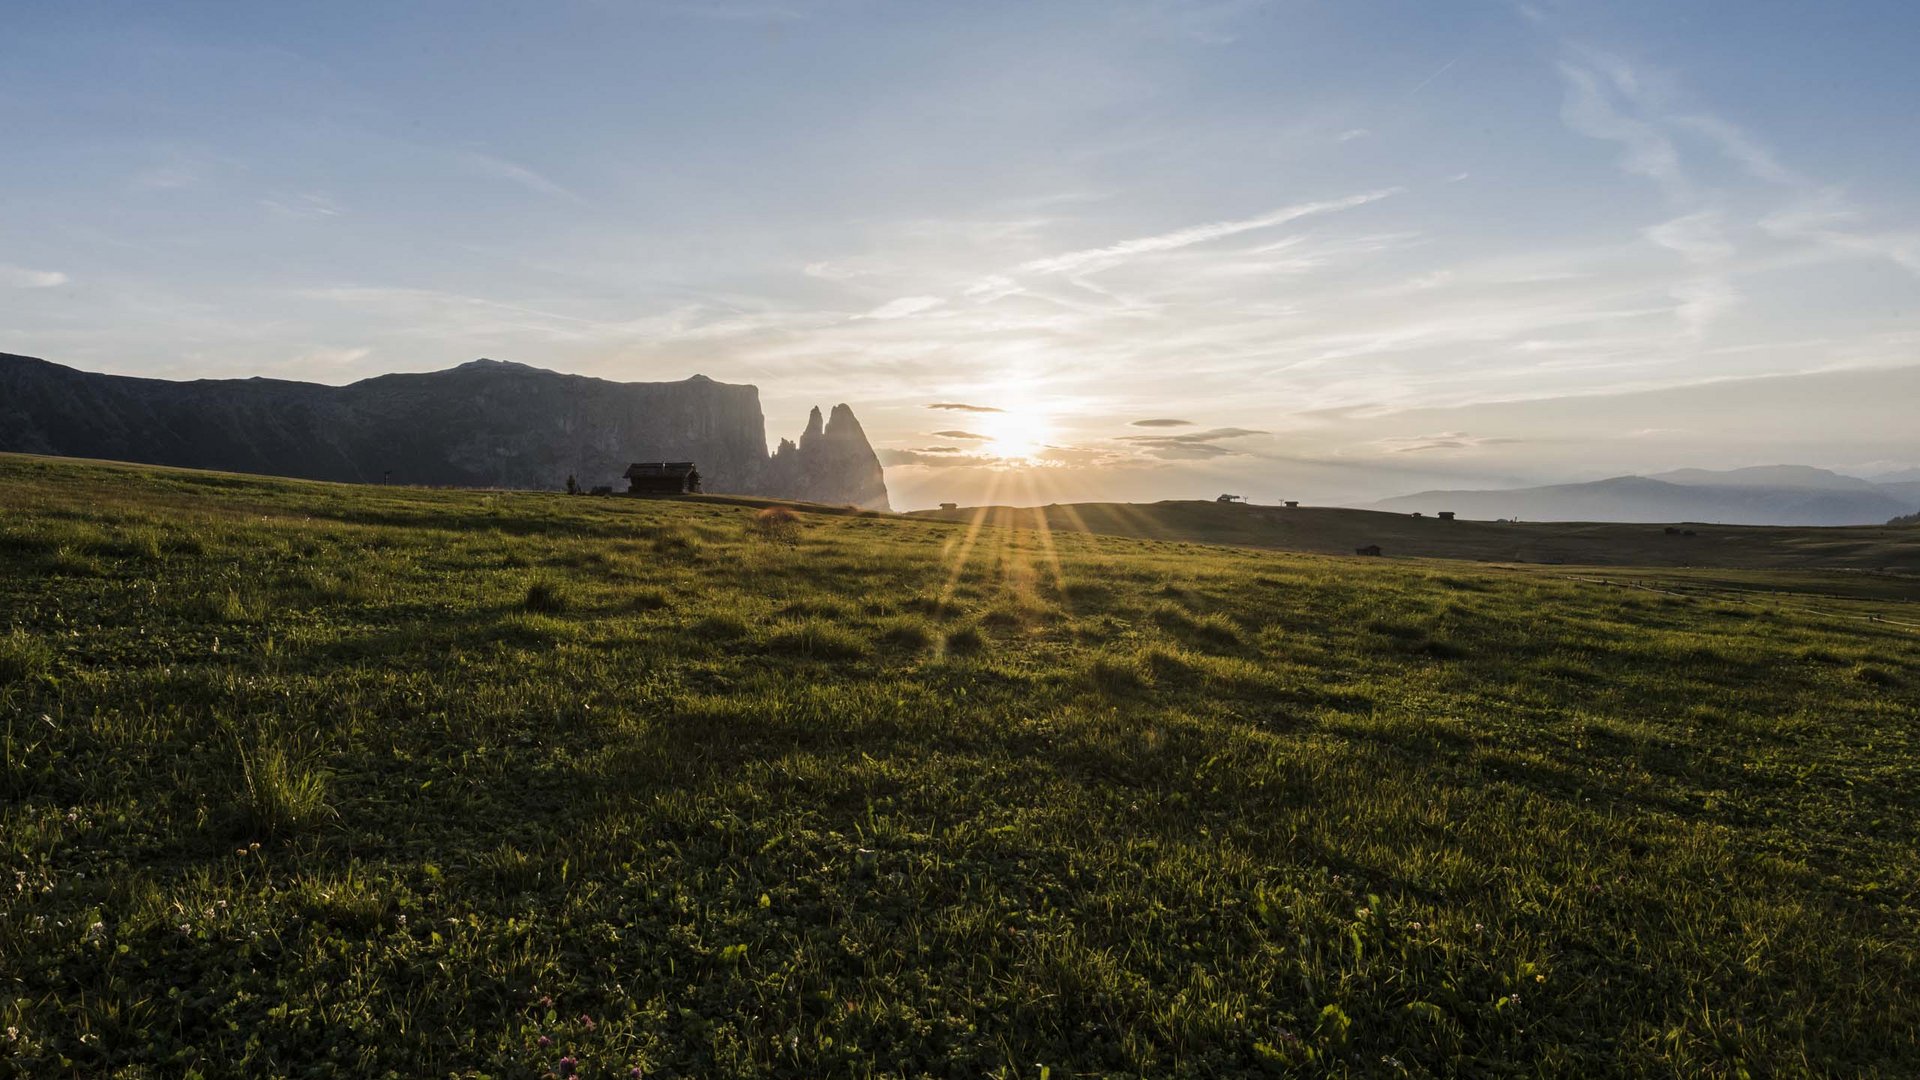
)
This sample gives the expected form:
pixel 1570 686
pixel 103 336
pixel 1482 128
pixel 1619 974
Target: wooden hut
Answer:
pixel 662 478
pixel 1446 515
pixel 1370 549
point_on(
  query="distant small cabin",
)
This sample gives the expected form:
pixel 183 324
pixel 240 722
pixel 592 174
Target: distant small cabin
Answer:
pixel 1417 513
pixel 1231 498
pixel 1370 549
pixel 1446 515
pixel 949 506
pixel 1291 503
pixel 662 478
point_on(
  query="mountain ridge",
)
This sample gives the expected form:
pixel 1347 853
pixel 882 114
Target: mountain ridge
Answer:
pixel 1762 495
pixel 483 423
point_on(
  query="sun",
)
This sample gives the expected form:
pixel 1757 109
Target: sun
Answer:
pixel 1015 436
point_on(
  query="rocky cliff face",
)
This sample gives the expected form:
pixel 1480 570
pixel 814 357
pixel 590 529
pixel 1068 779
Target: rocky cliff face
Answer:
pixel 482 424
pixel 831 463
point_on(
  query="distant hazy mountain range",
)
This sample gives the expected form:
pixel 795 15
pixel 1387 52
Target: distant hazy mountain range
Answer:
pixel 1764 495
pixel 483 424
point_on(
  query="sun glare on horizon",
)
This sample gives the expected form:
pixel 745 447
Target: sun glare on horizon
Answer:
pixel 1016 435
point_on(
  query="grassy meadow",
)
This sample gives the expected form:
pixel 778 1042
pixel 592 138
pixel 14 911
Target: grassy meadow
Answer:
pixel 314 780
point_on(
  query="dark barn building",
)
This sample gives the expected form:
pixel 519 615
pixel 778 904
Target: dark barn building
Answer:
pixel 662 478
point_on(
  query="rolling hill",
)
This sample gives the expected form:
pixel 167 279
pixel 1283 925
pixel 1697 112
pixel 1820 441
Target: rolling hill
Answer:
pixel 1339 531
pixel 1767 495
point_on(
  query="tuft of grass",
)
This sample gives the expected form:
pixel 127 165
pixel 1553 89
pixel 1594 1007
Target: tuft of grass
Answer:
pixel 775 524
pixel 965 641
pixel 509 869
pixel 236 605
pixel 545 597
pixel 350 904
pixel 675 541
pixel 71 561
pixel 815 607
pixel 719 626
pixel 23 656
pixel 934 607
pixel 819 640
pixel 1212 628
pixel 275 795
pixel 908 632
pixel 325 586
pixel 1117 674
pixel 649 600
pixel 1874 675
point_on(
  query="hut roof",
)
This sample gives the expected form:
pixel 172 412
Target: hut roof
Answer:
pixel 667 469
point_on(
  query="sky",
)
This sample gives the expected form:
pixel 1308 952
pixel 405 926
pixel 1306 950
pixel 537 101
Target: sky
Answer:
pixel 1048 251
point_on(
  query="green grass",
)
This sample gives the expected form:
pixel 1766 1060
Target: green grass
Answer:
pixel 318 780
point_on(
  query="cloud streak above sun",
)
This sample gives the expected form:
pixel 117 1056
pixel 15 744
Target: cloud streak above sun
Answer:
pixel 1106 258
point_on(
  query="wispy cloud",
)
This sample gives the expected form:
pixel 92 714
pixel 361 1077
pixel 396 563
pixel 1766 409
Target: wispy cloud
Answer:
pixel 833 271
pixel 21 277
pixel 1701 239
pixel 502 169
pixel 1607 98
pixel 177 171
pixel 304 204
pixel 903 307
pixel 1741 148
pixel 1100 258
pixel 1824 218
pixel 1446 440
pixel 1163 423
pixel 963 435
pixel 740 11
pixel 955 406
pixel 1210 435
pixel 1192 445
pixel 1593 107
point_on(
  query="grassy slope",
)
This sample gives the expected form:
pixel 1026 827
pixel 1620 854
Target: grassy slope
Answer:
pixel 324 780
pixel 1337 531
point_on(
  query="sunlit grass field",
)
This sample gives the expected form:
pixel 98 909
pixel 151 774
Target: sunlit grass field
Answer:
pixel 319 780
